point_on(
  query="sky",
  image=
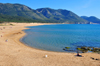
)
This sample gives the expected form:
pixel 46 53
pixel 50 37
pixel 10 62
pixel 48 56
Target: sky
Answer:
pixel 79 7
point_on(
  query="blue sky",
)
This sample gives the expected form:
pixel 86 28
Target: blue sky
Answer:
pixel 79 7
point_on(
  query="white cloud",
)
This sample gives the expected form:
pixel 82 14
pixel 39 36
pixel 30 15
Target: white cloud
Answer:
pixel 88 3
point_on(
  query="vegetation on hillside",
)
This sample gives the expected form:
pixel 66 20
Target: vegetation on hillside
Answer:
pixel 7 18
pixel 20 13
pixel 91 19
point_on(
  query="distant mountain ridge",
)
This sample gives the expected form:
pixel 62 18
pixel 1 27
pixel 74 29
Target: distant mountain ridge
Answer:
pixel 41 14
pixel 92 19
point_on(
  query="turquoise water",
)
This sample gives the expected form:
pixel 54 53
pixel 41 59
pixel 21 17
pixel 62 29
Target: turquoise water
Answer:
pixel 56 37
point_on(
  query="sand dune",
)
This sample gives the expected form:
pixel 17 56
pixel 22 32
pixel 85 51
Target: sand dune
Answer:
pixel 15 53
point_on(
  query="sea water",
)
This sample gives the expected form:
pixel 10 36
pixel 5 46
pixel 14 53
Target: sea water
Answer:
pixel 58 36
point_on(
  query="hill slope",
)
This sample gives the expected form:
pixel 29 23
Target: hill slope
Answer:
pixel 43 14
pixel 7 18
pixel 60 15
pixel 91 19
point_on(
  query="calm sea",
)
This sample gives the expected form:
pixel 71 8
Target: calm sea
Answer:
pixel 56 37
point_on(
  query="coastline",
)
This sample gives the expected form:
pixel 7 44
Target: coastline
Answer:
pixel 15 53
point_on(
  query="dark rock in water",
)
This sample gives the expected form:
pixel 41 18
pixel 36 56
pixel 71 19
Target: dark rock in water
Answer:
pixel 64 49
pixel 84 49
pixel 67 47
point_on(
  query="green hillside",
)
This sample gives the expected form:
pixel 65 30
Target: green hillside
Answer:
pixel 19 11
pixel 7 18
pixel 91 19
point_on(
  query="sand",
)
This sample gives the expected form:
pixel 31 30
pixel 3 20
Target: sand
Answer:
pixel 15 53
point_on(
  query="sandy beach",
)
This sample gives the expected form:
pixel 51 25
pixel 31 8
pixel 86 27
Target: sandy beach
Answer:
pixel 15 53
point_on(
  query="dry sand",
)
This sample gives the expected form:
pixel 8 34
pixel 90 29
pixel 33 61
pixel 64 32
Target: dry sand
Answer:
pixel 15 53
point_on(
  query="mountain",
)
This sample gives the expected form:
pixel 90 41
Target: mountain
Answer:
pixel 41 14
pixel 92 19
pixel 17 10
pixel 60 15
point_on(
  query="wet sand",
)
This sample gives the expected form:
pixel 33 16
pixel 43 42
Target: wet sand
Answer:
pixel 15 53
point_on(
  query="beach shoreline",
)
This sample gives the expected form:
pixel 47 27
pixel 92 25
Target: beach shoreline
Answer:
pixel 15 53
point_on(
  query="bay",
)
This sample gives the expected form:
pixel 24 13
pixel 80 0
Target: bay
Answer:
pixel 57 36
